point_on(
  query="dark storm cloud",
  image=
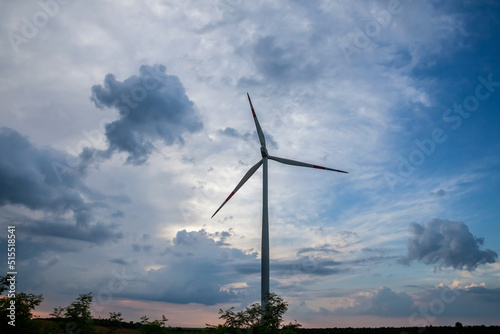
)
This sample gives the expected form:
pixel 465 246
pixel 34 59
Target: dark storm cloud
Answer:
pixel 383 302
pixel 152 106
pixel 326 248
pixel 196 267
pixel 119 260
pixel 283 62
pixel 200 267
pixel 316 266
pixel 460 301
pixel 447 243
pixel 96 233
pixel 30 176
pixel 29 248
pixel 139 248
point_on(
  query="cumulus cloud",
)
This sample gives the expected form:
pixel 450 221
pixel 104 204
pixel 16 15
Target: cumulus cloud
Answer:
pixel 200 267
pixel 429 304
pixel 196 268
pixel 283 62
pixel 382 302
pixel 448 244
pixel 153 106
pixel 38 178
pixel 460 300
pixel 30 176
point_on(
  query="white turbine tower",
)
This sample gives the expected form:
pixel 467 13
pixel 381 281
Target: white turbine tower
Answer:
pixel 265 218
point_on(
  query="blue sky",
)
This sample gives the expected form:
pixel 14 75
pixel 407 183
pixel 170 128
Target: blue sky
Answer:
pixel 124 126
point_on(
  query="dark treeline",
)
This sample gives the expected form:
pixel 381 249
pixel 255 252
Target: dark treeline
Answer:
pixel 16 316
pixel 457 329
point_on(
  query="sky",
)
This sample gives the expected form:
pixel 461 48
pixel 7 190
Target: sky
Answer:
pixel 125 124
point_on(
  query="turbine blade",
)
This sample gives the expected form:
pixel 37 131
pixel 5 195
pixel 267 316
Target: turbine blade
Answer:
pixel 242 182
pixel 257 125
pixel 303 164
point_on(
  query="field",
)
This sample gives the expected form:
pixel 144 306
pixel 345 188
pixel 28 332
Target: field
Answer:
pixel 128 328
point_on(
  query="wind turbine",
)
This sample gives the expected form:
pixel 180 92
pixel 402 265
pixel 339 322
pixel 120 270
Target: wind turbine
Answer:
pixel 265 218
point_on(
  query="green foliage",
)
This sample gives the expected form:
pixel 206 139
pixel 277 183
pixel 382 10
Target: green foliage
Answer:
pixel 20 306
pixel 115 320
pixel 153 327
pixel 78 318
pixel 115 317
pixel 4 283
pixel 255 318
pixel 273 314
pixel 144 320
pixel 58 312
pixel 291 327
pixel 52 328
pixel 80 308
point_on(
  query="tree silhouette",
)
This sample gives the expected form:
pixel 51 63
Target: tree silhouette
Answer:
pixel 115 319
pixel 16 309
pixel 255 318
pixel 153 327
pixel 78 316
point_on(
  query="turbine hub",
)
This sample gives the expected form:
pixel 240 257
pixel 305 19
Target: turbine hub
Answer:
pixel 264 153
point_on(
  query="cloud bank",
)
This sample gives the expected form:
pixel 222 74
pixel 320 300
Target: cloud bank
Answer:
pixel 424 306
pixel 31 178
pixel 447 243
pixel 196 269
pixel 381 302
